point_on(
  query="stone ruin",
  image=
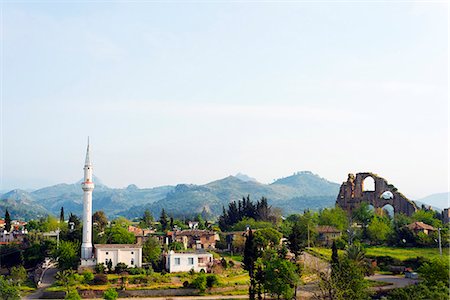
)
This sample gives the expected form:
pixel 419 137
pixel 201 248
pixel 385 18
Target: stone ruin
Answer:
pixel 352 193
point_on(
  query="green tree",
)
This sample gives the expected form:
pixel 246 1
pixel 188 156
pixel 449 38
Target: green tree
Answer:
pixel 363 214
pixel 122 222
pixel 334 255
pixel 335 217
pixel 379 229
pixel 280 275
pixel 267 237
pixel 18 275
pixel 151 251
pixel 119 235
pixel 345 282
pixel 428 217
pixel 250 256
pixel 67 254
pixel 436 271
pixel 100 220
pixel 146 219
pixel 164 220
pixel 7 221
pixel 7 290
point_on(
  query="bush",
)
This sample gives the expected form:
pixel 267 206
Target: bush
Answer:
pixel 415 263
pixel 191 271
pixel 186 284
pixel 100 268
pixel 88 276
pixel 200 282
pixel 100 279
pixel 120 268
pixel 212 280
pixel 340 243
pixel 72 295
pixel 137 271
pixel 110 294
pixel 224 263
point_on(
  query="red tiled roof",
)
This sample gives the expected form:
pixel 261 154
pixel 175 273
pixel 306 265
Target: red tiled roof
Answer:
pixel 327 229
pixel 420 226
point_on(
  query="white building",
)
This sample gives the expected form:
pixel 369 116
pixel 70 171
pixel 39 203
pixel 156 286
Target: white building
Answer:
pixel 186 261
pixel 130 254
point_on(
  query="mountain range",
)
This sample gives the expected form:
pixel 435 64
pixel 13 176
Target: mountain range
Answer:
pixel 292 194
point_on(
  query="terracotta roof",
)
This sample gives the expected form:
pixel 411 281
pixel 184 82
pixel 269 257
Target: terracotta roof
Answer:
pixel 117 246
pixel 420 226
pixel 327 229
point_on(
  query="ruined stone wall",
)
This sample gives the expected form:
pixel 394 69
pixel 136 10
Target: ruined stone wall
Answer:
pixel 352 194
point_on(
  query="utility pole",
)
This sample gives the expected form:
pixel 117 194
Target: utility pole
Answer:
pixel 439 237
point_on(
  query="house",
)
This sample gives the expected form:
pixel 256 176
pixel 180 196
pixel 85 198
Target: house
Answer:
pixel 421 227
pixel 140 234
pixel 327 234
pixel 129 254
pixel 186 261
pixel 195 239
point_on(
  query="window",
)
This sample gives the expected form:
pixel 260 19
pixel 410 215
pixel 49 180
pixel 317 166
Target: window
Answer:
pixel 177 261
pixel 132 252
pixel 106 252
pixel 132 261
pixel 190 260
pixel 106 261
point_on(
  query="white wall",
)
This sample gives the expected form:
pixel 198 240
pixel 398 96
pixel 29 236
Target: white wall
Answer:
pixel 123 255
pixel 184 265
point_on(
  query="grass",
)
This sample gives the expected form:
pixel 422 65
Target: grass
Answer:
pixel 238 258
pixel 398 253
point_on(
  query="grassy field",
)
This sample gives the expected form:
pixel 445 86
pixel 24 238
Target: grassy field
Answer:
pixel 398 253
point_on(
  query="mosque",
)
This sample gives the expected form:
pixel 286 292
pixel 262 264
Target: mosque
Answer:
pixel 130 254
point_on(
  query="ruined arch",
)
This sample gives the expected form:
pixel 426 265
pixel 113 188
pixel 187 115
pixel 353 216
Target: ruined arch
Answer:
pixel 368 184
pixel 389 209
pixel 352 194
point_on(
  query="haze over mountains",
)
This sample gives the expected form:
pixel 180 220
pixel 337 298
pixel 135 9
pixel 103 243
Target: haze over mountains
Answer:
pixel 291 194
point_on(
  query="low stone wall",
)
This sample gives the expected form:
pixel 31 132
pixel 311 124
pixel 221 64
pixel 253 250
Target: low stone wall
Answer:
pixel 53 295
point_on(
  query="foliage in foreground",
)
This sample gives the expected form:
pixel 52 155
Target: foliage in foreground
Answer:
pixel 7 290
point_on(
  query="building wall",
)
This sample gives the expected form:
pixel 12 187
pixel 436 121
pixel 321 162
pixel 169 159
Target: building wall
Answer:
pixel 124 255
pixel 184 264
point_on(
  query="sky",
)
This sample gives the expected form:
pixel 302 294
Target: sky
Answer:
pixel 190 92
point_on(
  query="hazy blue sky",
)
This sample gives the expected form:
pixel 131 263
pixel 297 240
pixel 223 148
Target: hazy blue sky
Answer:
pixel 191 92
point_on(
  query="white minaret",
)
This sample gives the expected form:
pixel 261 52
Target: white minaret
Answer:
pixel 88 187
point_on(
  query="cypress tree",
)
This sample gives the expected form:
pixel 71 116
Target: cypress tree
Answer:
pixel 7 221
pixel 61 215
pixel 250 256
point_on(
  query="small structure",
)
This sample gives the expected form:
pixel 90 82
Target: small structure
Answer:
pixel 186 261
pixel 140 234
pixel 421 227
pixel 327 234
pixel 193 224
pixel 129 254
pixel 195 239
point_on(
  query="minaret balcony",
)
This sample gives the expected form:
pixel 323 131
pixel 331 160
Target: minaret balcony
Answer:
pixel 87 186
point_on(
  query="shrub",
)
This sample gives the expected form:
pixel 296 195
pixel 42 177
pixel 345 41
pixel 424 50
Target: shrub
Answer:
pixel 340 243
pixel 100 279
pixel 212 280
pixel 100 268
pixel 200 282
pixel 72 295
pixel 191 271
pixel 110 294
pixel 120 268
pixel 88 276
pixel 136 271
pixel 231 263
pixel 149 271
pixel 224 263
pixel 186 284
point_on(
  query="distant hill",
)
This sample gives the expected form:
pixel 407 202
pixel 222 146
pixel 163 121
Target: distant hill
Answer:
pixel 440 200
pixel 292 194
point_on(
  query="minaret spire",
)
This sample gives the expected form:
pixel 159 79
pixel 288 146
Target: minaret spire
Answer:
pixel 88 155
